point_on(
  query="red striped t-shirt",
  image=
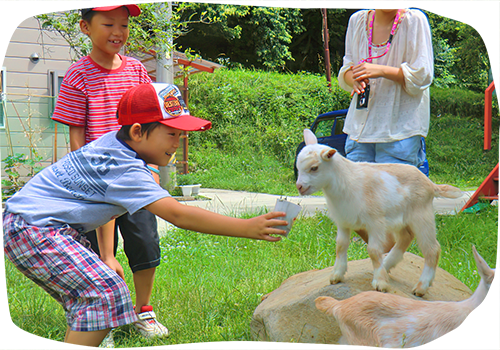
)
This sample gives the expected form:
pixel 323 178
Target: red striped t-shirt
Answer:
pixel 89 94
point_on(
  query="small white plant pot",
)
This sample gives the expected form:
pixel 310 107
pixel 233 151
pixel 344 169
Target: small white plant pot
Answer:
pixel 187 190
pixel 196 189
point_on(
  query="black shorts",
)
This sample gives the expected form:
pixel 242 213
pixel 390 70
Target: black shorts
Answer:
pixel 141 242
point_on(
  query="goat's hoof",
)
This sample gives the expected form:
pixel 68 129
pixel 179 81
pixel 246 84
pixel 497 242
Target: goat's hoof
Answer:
pixel 418 290
pixel 380 286
pixel 335 280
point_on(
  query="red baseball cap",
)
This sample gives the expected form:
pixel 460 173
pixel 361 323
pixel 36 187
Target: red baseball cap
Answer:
pixel 158 102
pixel 109 5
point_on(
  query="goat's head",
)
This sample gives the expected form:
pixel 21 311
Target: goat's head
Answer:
pixel 311 162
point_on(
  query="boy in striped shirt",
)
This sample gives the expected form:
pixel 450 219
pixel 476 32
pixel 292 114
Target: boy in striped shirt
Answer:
pixel 87 102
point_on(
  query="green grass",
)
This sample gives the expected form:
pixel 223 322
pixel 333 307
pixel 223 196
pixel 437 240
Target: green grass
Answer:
pixel 207 287
pixel 242 171
pixel 455 151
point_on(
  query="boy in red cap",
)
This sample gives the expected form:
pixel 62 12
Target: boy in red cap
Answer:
pixel 46 221
pixel 87 102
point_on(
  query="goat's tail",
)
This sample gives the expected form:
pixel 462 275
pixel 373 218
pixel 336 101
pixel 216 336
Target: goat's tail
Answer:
pixel 447 191
pixel 326 304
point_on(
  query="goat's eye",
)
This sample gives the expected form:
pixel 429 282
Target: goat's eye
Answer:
pixel 314 168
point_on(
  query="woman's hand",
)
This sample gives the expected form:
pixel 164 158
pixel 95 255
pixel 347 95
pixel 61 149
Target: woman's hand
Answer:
pixel 363 72
pixel 358 87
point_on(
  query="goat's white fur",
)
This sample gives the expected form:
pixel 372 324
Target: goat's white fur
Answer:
pixel 389 320
pixel 386 204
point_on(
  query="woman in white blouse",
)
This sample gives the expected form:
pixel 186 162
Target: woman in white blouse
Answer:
pixel 389 53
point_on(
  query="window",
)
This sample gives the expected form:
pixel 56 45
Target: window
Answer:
pixel 55 80
pixel 3 96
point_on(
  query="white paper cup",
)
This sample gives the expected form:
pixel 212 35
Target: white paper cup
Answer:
pixel 291 210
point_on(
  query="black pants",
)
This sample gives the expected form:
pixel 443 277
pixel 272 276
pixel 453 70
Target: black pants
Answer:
pixel 141 242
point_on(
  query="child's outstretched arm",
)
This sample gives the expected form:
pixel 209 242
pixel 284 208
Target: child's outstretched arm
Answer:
pixel 201 220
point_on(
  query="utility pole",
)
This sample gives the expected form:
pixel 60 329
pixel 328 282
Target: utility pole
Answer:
pixel 164 59
pixel 165 74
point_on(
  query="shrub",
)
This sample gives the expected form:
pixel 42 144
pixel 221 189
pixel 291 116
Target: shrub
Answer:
pixel 462 103
pixel 262 111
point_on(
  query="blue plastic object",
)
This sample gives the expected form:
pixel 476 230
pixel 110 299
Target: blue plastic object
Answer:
pixel 336 139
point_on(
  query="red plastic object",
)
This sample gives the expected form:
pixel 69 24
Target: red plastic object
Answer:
pixel 488 97
pixel 490 187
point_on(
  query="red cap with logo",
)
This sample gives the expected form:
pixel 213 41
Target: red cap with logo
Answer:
pixel 157 102
pixel 109 5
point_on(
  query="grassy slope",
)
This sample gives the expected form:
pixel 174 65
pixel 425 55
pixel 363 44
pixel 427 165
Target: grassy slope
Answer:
pixel 259 117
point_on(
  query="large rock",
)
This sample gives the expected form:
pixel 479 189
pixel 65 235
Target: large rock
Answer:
pixel 288 314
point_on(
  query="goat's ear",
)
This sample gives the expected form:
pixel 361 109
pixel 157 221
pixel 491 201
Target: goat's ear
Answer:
pixel 484 270
pixel 327 154
pixel 325 304
pixel 309 137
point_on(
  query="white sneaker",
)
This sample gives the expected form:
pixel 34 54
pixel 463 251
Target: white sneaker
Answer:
pixel 148 326
pixel 108 341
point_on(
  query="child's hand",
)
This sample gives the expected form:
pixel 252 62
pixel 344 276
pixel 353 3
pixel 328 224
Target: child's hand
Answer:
pixel 115 266
pixel 261 227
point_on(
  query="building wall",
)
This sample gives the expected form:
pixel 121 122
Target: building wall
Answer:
pixel 28 94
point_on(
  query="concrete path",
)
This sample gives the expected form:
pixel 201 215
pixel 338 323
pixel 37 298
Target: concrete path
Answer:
pixel 234 203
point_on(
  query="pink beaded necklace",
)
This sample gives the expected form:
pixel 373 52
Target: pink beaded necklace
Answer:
pixel 370 37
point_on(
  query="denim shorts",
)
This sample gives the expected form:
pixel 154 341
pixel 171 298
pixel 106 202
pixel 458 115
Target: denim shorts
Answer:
pixel 407 151
pixel 93 296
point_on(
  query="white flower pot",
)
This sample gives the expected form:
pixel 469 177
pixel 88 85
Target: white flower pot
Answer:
pixel 187 190
pixel 196 189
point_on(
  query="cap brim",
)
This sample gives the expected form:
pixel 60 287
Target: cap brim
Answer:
pixel 187 123
pixel 133 10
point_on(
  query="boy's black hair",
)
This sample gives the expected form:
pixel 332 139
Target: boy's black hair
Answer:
pixel 88 13
pixel 124 132
pixel 86 10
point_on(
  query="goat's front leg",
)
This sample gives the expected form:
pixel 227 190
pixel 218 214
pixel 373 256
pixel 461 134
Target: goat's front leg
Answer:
pixel 380 277
pixel 340 267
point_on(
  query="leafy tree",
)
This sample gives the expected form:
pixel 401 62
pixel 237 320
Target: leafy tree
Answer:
pixel 461 58
pixel 153 29
pixel 307 47
pixel 277 39
pixel 444 61
pixel 248 35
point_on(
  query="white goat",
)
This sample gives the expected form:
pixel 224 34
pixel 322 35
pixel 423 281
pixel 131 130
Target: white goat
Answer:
pixel 386 204
pixel 389 320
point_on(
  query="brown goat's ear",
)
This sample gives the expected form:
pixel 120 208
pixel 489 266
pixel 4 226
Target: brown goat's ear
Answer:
pixel 327 154
pixel 309 137
pixel 484 270
pixel 325 304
